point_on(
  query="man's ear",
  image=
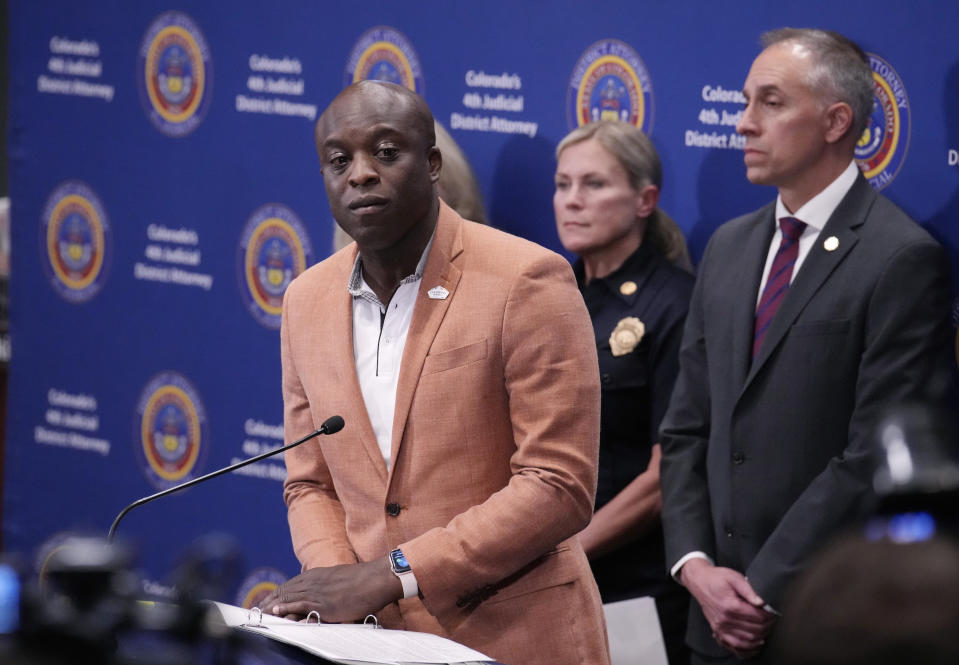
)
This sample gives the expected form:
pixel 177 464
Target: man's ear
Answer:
pixel 435 159
pixel 837 121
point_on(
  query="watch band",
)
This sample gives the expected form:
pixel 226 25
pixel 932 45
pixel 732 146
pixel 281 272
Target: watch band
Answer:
pixel 405 574
pixel 410 587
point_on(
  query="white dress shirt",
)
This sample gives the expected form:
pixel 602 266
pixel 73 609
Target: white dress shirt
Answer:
pixel 379 338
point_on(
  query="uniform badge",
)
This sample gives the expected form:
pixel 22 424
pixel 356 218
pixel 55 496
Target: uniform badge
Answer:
pixel 628 288
pixel 626 335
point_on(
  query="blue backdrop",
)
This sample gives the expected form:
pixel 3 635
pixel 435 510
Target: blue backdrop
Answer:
pixel 165 189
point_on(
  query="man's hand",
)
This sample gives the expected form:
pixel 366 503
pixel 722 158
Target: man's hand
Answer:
pixel 734 610
pixel 339 593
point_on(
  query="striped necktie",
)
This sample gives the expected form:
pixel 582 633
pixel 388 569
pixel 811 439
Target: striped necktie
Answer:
pixel 780 274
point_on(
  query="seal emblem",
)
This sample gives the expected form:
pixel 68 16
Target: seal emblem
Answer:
pixel 175 74
pixel 626 336
pixel 610 81
pixel 385 54
pixel 256 586
pixel 171 429
pixel 882 148
pixel 75 237
pixel 274 248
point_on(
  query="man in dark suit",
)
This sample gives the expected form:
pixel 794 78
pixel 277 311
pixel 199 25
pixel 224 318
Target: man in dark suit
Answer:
pixel 809 317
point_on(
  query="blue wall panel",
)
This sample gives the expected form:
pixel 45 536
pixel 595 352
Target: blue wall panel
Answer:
pixel 100 347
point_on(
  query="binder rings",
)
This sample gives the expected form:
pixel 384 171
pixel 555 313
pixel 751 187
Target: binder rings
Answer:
pixel 353 644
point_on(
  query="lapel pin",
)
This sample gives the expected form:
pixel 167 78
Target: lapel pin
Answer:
pixel 438 293
pixel 628 288
pixel 831 244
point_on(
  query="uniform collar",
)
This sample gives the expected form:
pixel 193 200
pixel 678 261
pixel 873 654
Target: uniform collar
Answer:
pixel 627 280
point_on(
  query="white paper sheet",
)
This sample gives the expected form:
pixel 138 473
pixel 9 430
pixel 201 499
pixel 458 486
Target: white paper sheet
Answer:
pixel 635 637
pixel 353 643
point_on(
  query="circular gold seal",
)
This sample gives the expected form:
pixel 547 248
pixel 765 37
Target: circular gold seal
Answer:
pixel 628 288
pixel 627 334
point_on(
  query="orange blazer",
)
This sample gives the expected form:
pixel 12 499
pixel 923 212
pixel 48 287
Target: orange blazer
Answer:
pixel 494 447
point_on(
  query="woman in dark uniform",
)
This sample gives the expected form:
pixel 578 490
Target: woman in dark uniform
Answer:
pixel 608 178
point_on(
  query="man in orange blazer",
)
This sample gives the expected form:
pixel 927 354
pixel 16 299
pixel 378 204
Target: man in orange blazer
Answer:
pixel 461 359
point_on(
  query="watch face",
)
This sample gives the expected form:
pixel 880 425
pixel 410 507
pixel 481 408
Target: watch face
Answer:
pixel 400 565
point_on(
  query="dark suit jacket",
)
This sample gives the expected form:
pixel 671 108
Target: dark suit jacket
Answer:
pixel 764 460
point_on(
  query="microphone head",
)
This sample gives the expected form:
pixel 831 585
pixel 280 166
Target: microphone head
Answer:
pixel 332 425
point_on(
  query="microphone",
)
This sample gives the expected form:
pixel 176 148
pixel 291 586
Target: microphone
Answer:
pixel 331 425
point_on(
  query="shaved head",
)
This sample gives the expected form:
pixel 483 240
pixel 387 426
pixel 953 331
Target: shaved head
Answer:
pixel 380 95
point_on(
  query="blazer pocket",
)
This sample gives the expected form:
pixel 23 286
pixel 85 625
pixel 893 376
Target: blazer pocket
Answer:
pixel 552 569
pixel 830 327
pixel 453 358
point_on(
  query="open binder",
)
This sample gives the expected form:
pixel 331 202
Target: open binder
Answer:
pixel 353 644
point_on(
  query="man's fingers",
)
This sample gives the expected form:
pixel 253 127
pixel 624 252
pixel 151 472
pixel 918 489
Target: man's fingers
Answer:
pixel 746 617
pixel 742 586
pixel 298 608
pixel 736 611
pixel 742 647
pixel 743 638
pixel 739 619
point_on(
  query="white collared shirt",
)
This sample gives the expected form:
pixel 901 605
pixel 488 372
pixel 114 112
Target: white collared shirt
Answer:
pixel 379 338
pixel 815 213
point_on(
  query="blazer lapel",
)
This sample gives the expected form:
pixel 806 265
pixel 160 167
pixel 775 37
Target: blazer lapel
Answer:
pixel 335 321
pixel 818 266
pixel 428 313
pixel 745 289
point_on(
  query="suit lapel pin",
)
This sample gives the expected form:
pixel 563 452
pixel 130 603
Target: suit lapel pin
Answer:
pixel 831 244
pixel 627 288
pixel 438 293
